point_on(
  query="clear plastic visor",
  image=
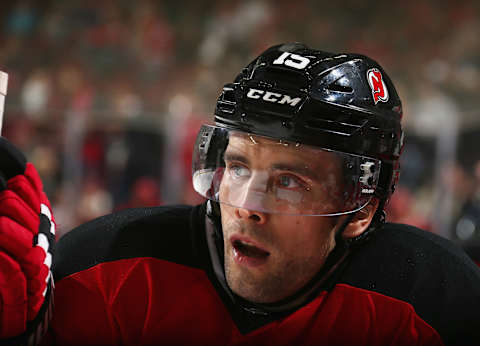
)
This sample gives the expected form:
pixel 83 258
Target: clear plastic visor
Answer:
pixel 268 175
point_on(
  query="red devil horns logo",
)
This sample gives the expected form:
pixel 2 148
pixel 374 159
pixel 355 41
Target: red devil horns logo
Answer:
pixel 379 89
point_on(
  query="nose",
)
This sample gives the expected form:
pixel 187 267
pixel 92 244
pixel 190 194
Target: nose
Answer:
pixel 254 216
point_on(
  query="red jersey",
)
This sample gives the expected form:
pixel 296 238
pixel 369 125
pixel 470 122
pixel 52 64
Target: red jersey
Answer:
pixel 147 277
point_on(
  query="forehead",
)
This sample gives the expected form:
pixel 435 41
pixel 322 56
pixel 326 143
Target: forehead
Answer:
pixel 254 146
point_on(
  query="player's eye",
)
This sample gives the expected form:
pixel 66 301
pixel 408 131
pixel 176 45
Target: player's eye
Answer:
pixel 288 181
pixel 238 171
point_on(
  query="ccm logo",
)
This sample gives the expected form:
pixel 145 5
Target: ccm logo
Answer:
pixel 273 97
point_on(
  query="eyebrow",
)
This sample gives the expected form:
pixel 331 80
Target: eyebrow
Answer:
pixel 299 169
pixel 235 157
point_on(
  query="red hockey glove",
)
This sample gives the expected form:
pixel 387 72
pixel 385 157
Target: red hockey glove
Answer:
pixel 27 238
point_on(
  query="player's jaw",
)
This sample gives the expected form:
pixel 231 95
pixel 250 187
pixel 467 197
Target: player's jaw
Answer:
pixel 269 260
pixel 248 270
pixel 250 258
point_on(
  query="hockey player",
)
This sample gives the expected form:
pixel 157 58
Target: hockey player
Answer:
pixel 291 247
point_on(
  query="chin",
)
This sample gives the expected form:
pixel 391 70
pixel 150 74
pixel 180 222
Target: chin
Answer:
pixel 252 288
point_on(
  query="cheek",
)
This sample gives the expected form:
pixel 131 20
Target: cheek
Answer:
pixel 305 236
pixel 226 215
pixel 222 190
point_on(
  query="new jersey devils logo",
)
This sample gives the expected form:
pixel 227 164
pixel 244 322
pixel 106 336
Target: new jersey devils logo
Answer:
pixel 379 89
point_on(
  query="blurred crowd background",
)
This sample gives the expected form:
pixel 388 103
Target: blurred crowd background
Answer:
pixel 105 97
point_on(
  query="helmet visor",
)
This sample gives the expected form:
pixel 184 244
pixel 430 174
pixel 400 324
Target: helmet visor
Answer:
pixel 269 175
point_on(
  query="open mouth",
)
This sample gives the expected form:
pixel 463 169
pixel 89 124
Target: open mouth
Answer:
pixel 245 253
pixel 249 250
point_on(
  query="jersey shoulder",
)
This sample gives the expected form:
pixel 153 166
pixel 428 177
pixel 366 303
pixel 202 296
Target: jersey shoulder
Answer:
pixel 429 272
pixel 166 233
pixel 411 250
pixel 399 257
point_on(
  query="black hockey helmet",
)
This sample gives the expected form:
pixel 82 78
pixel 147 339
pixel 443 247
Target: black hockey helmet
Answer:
pixel 343 103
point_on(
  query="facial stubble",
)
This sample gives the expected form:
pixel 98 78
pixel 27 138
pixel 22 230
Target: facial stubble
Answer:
pixel 282 275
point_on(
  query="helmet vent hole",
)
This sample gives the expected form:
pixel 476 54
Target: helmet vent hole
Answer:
pixel 228 95
pixel 340 88
pixel 226 103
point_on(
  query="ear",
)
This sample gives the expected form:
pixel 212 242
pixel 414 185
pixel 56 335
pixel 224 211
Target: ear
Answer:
pixel 361 220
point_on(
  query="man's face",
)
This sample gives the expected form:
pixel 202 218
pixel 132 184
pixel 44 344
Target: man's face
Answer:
pixel 269 255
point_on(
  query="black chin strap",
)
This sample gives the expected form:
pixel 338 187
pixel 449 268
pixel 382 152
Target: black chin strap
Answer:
pixel 321 280
pixel 339 240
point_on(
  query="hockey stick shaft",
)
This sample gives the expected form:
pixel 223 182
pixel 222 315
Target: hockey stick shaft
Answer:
pixel 3 94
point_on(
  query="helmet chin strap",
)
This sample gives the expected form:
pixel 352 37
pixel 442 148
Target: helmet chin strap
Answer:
pixel 339 232
pixel 321 280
